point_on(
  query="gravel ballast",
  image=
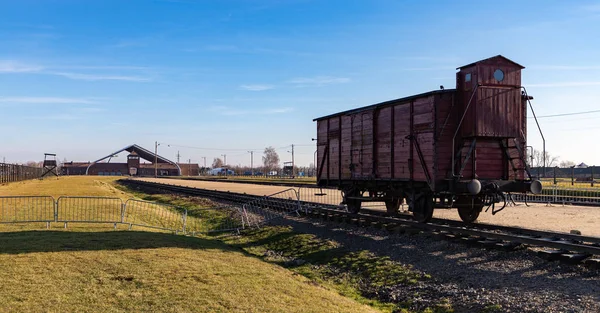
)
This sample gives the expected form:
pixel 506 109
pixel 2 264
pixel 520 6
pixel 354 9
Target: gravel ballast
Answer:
pixel 471 279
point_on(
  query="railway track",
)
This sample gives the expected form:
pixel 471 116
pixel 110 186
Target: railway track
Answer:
pixel 570 248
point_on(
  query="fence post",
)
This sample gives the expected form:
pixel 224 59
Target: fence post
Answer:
pixel 592 175
pixel 56 209
pixel 572 175
pixel 245 215
pixel 123 211
pixel 555 175
pixel 184 220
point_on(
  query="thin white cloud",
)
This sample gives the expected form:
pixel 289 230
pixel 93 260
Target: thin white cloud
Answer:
pixel 256 87
pixel 594 8
pixel 60 117
pixel 278 110
pixel 221 48
pixel 228 111
pixel 101 67
pixel 9 66
pixel 565 67
pixel 15 67
pixel 565 84
pixel 94 77
pixel 45 100
pixel 318 81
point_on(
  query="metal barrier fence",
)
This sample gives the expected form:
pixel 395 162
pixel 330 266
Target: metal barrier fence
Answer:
pixel 155 215
pixel 15 209
pixel 14 172
pixel 220 219
pixel 29 209
pixel 558 194
pixel 89 210
pixel 261 211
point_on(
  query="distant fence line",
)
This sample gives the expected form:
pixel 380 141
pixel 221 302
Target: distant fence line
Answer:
pixel 570 175
pixel 134 212
pixel 218 219
pixel 14 172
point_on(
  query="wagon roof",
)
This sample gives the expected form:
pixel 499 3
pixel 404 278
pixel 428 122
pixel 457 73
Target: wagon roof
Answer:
pixel 387 103
pixel 494 57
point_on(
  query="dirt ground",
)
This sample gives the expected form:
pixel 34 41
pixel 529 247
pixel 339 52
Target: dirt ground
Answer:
pixel 536 216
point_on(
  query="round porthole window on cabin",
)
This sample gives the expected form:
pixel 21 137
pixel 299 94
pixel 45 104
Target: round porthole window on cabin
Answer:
pixel 499 75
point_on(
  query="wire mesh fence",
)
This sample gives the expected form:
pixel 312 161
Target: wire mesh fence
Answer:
pixel 213 220
pixel 14 172
pixel 17 209
pixel 89 210
pixel 313 196
pixel 154 215
pixel 263 210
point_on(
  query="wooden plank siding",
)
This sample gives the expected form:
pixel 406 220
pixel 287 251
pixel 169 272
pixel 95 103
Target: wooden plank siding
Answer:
pixel 374 142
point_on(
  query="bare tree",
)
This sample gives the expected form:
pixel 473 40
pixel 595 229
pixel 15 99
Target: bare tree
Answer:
pixel 538 159
pixel 217 162
pixel 565 164
pixel 270 159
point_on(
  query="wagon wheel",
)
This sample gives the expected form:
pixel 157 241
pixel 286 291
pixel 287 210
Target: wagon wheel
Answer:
pixel 469 208
pixel 422 208
pixel 353 204
pixel 393 205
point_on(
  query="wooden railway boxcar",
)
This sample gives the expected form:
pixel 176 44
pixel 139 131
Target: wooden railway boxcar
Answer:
pixel 462 147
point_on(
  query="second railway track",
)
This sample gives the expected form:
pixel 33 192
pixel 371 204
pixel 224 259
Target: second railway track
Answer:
pixel 571 248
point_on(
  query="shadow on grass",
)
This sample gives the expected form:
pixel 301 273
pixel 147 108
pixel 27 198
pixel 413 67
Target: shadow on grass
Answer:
pixel 57 241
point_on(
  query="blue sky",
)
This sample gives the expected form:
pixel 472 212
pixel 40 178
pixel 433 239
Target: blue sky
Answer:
pixel 85 78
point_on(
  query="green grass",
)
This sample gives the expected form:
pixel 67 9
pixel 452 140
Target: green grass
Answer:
pixel 115 271
pixel 359 275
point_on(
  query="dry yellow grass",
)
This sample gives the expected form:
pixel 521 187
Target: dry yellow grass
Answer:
pixel 65 186
pixel 90 268
pixel 65 271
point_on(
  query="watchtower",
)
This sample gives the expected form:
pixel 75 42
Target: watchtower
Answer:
pixel 50 164
pixel 133 163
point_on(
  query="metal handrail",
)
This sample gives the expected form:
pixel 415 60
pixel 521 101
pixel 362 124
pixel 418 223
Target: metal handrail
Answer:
pixel 458 127
pixel 539 129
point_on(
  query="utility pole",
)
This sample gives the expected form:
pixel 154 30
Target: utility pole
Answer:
pixel 225 163
pixel 156 144
pixel 178 156
pixel 251 163
pixel 189 167
pixel 292 160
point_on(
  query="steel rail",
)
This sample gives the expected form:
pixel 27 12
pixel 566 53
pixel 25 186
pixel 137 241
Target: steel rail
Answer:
pixel 556 240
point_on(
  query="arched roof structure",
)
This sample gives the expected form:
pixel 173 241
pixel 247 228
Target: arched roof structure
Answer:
pixel 143 153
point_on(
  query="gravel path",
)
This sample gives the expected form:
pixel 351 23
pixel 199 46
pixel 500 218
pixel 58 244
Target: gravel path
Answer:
pixel 472 279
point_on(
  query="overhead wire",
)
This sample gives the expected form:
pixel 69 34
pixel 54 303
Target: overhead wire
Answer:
pixel 567 114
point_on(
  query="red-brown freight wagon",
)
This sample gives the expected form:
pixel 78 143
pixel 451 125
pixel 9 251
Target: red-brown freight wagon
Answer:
pixel 461 148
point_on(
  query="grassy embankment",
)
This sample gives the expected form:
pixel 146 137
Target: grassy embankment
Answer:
pixel 360 275
pixel 93 268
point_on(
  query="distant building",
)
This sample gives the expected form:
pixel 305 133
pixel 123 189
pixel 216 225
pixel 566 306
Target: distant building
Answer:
pixel 133 167
pixel 582 165
pixel 217 171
